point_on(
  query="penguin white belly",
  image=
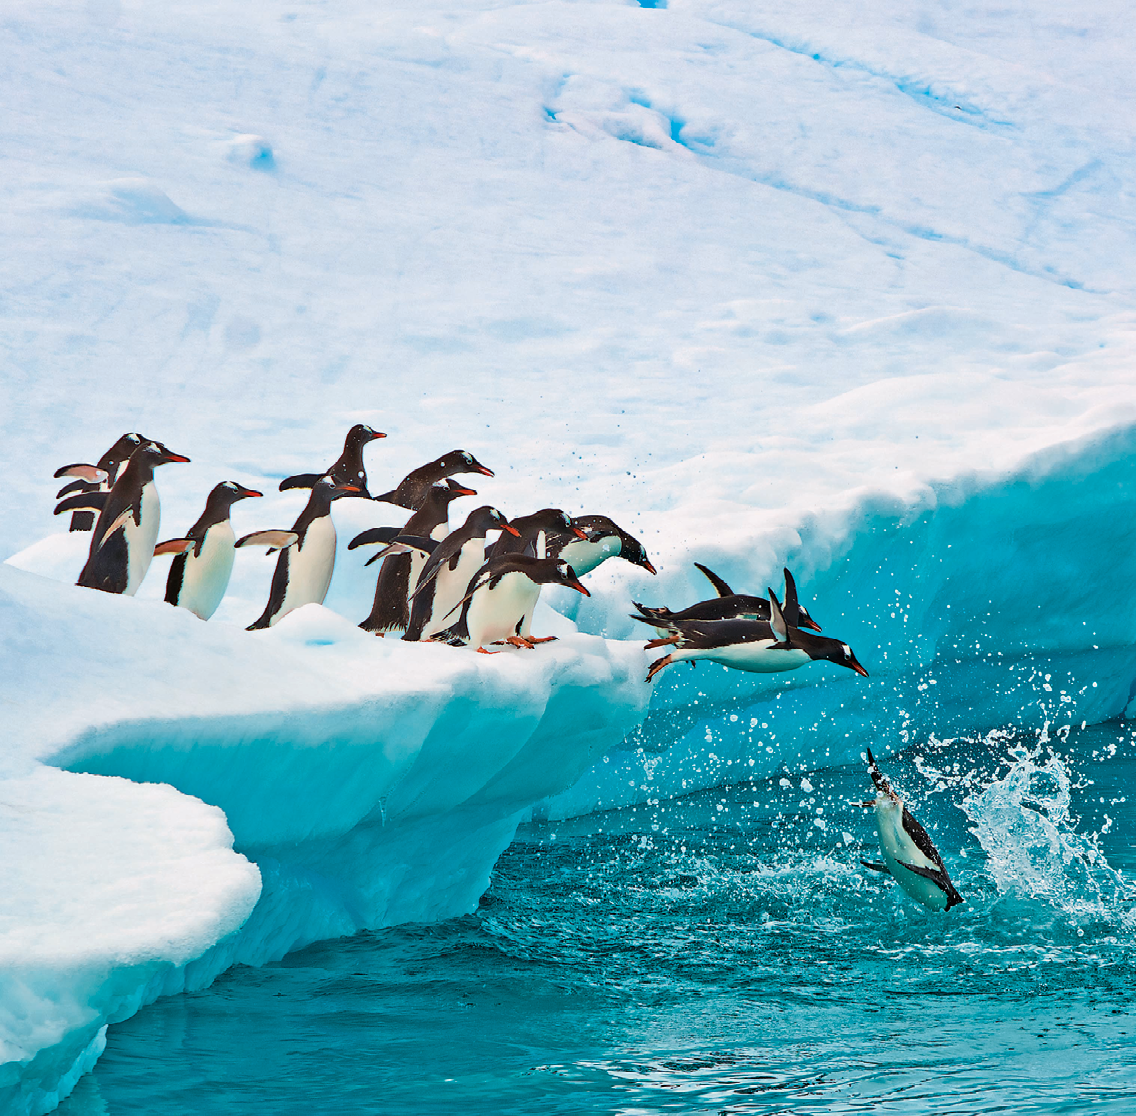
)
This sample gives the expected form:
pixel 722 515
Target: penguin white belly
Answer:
pixel 310 565
pixel 493 613
pixel 584 556
pixel 450 587
pixel 206 575
pixel 140 539
pixel 757 658
pixel 897 846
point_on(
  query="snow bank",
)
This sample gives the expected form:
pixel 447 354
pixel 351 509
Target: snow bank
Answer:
pixel 370 781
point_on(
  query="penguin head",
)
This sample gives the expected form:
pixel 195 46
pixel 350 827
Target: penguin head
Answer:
pixel 632 550
pixel 229 492
pixel 886 795
pixel 565 575
pixel 158 453
pixel 360 434
pixel 804 620
pixel 487 518
pixel 325 490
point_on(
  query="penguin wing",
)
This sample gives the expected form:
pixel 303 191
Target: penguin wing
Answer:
pixel 174 546
pixel 708 634
pixel 275 540
pixel 300 480
pixel 77 486
pixel 722 588
pixel 375 536
pixel 922 841
pixel 404 544
pixel 877 866
pixel 91 473
pixel 96 500
pixel 791 608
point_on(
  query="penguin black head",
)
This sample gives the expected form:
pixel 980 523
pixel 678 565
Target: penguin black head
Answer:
pixel 816 647
pixel 841 655
pixel 487 518
pixel 565 575
pixel 460 461
pixel 542 571
pixel 229 492
pixel 158 453
pixel 325 490
pixel 879 780
pixel 455 490
pixel 553 520
pixel 360 434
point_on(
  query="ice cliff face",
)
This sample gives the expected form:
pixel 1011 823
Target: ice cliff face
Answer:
pixel 363 782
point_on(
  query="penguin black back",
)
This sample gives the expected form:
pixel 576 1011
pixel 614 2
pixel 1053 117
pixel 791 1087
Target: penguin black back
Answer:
pixel 548 529
pixel 348 467
pixel 413 489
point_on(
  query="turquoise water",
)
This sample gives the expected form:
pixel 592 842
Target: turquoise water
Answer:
pixel 722 953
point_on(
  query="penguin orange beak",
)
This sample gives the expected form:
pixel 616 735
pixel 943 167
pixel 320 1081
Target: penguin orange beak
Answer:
pixel 348 488
pixel 377 434
pixel 172 457
pixel 859 669
pixel 648 567
pixel 464 492
pixel 512 530
pixel 579 534
pixel 483 471
pixel 253 492
pixel 575 584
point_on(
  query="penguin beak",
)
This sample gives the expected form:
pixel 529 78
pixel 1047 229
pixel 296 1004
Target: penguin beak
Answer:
pixel 347 488
pixel 377 434
pixel 464 492
pixel 483 471
pixel 172 457
pixel 810 625
pixel 251 492
pixel 579 534
pixel 574 584
pixel 512 530
pixel 858 669
pixel 648 567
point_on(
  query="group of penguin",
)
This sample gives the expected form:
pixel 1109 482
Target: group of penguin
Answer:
pixel 456 587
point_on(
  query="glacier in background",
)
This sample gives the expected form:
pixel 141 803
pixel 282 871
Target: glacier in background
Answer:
pixel 844 289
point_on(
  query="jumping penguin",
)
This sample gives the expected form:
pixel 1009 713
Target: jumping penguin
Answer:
pixel 122 545
pixel 96 478
pixel 412 490
pixel 203 559
pixel 448 571
pixel 304 568
pixel 751 645
pixel 604 539
pixel 503 591
pixel 910 857
pixel 399 572
pixel 348 467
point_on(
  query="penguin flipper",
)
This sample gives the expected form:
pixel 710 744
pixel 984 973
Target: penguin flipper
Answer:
pixel 93 500
pixel 722 589
pixel 274 540
pixel 876 866
pixel 375 536
pixel 75 486
pixel 300 480
pixel 935 875
pixel 91 473
pixel 791 607
pixel 173 546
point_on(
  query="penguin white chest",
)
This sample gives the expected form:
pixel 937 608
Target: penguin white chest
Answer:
pixel 584 556
pixel 758 657
pixel 450 586
pixel 494 613
pixel 140 538
pixel 899 849
pixel 206 575
pixel 310 564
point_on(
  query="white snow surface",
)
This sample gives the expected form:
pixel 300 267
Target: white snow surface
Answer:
pixel 764 283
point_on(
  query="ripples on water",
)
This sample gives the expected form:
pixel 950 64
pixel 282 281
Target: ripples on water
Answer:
pixel 723 953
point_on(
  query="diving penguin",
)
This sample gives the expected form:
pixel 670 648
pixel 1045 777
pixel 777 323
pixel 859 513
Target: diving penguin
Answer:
pixel 399 572
pixel 203 559
pixel 504 590
pixel 96 478
pixel 411 491
pixel 348 466
pixel 751 645
pixel 910 857
pixel 303 570
pixel 448 571
pixel 122 543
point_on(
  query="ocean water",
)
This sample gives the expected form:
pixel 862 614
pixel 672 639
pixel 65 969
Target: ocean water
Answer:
pixel 722 953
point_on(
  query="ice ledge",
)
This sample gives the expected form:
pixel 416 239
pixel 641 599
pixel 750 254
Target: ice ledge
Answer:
pixel 365 782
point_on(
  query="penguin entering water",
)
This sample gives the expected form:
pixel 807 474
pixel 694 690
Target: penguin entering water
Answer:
pixel 604 539
pixel 910 857
pixel 751 645
pixel 414 487
pixel 399 572
pixel 503 591
pixel 99 477
pixel 122 545
pixel 203 558
pixel 730 606
pixel 348 467
pixel 303 570
pixel 448 571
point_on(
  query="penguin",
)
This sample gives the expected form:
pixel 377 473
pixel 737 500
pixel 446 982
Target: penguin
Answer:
pixel 500 595
pixel 751 645
pixel 304 568
pixel 399 572
pixel 730 606
pixel 96 478
pixel 448 571
pixel 348 467
pixel 910 857
pixel 537 534
pixel 203 559
pixel 412 489
pixel 122 548
pixel 604 539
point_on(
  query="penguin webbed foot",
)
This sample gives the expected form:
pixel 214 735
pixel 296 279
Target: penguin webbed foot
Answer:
pixel 542 639
pixel 519 641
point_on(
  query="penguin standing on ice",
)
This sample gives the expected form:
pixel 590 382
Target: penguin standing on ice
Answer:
pixel 504 590
pixel 411 491
pixel 910 857
pixel 537 534
pixel 750 645
pixel 303 570
pixel 122 543
pixel 348 467
pixel 203 558
pixel 604 539
pixel 448 571
pixel 399 572
pixel 96 478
